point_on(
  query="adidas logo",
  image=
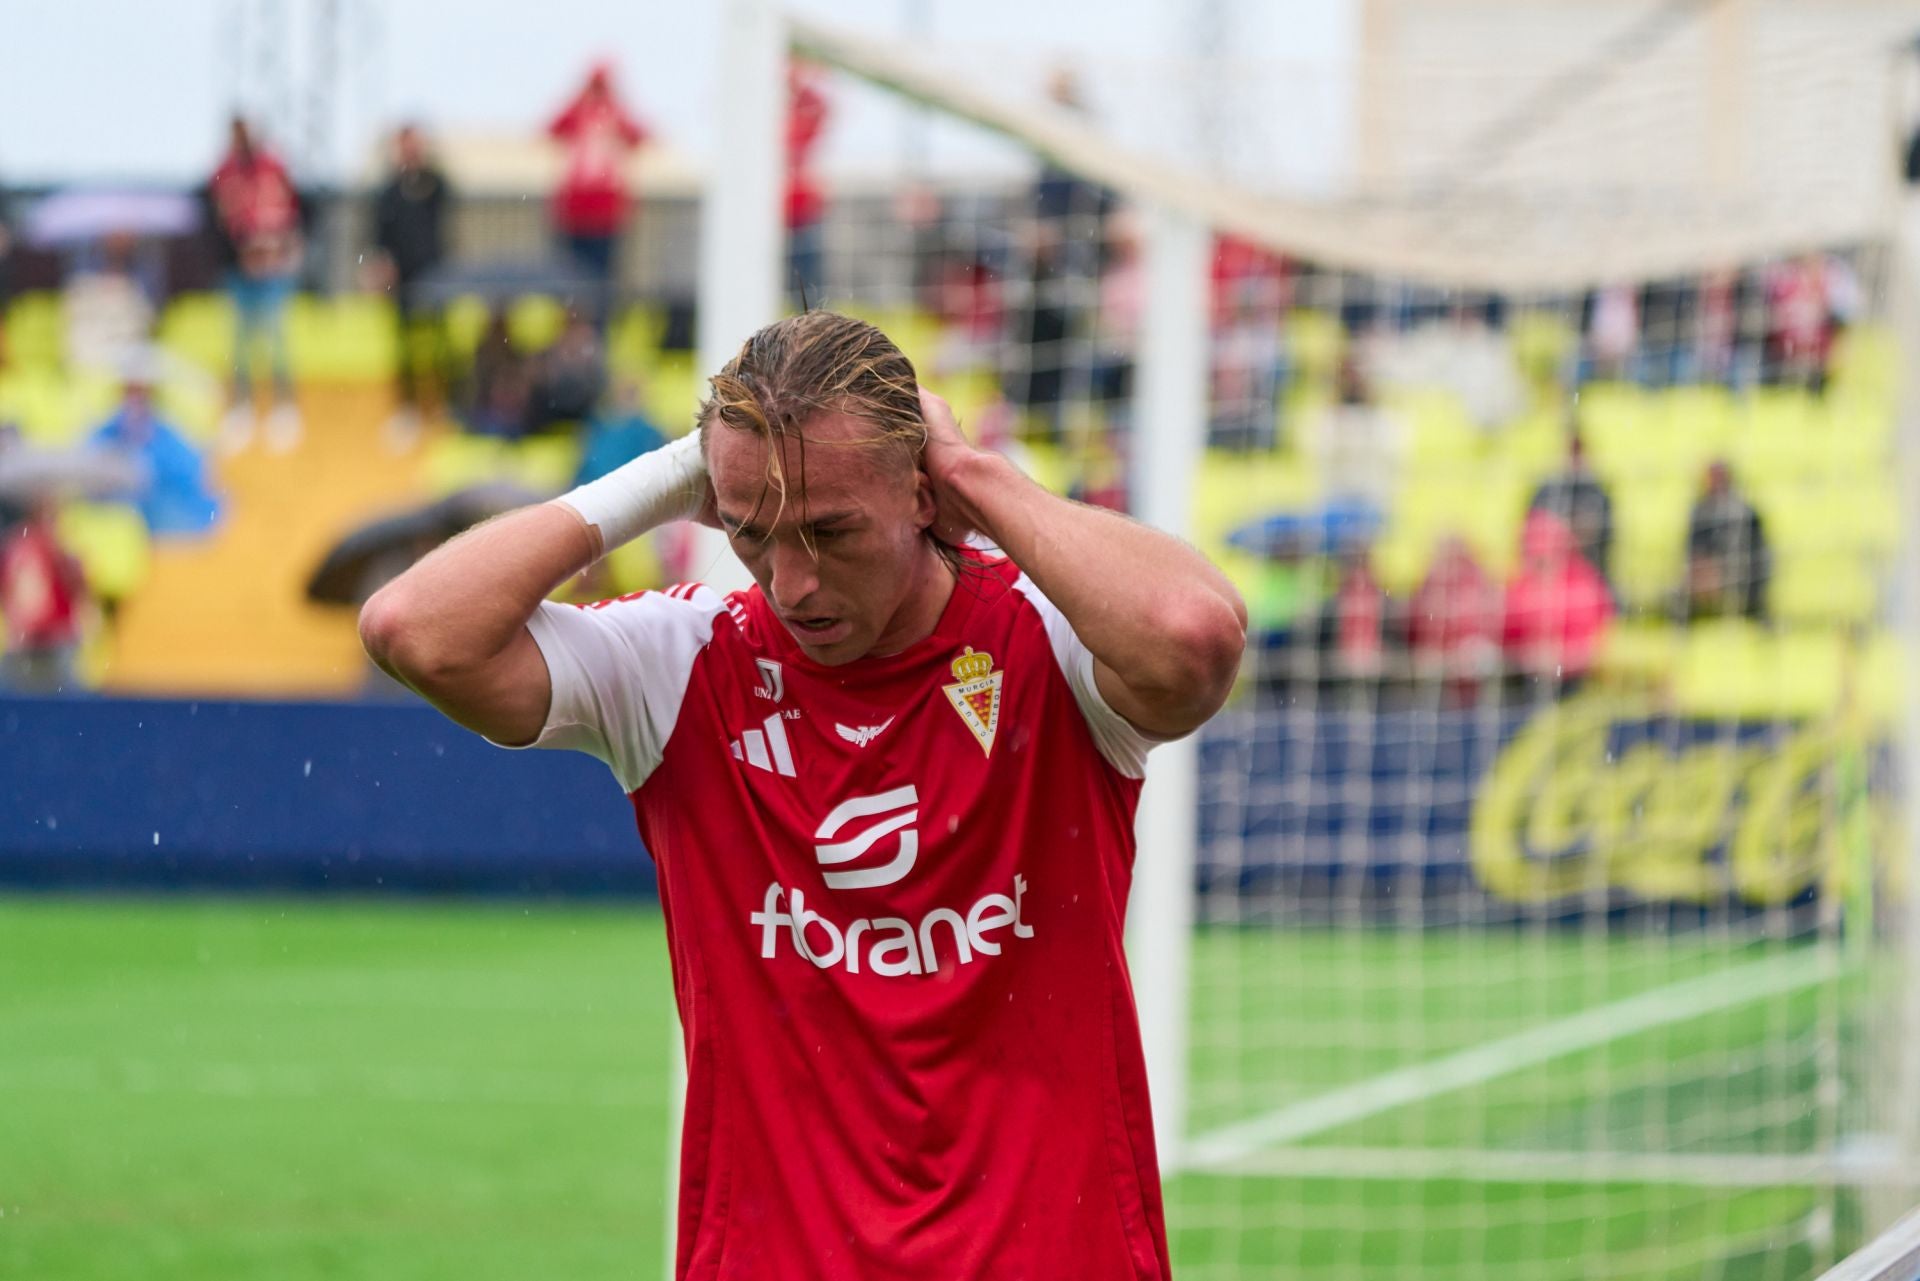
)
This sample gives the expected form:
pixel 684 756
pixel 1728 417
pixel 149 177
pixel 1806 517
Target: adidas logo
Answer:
pixel 766 748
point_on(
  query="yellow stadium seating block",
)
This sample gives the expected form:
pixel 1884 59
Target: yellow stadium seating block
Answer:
pixel 1643 652
pixel 1883 680
pixel 1823 587
pixel 633 341
pixel 544 464
pixel 457 461
pixel 1543 343
pixel 36 336
pixel 1725 670
pixel 111 543
pixel 1316 343
pixel 34 399
pixel 674 391
pixel 347 339
pixel 200 329
pixel 1866 361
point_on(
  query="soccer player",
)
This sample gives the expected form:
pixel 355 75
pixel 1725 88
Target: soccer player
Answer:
pixel 889 790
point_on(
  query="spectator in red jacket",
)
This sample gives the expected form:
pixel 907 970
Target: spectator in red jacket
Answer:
pixel 256 218
pixel 43 595
pixel 1558 606
pixel 1454 630
pixel 592 204
pixel 805 205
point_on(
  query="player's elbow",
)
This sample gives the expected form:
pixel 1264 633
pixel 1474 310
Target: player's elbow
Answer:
pixel 1201 641
pixel 399 638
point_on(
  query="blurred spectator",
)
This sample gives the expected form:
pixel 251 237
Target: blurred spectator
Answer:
pixel 1557 605
pixel 1455 623
pixel 256 220
pixel 1717 327
pixel 569 378
pixel 1799 322
pixel 1613 332
pixel 1050 352
pixel 409 219
pixel 499 384
pixel 43 598
pixel 592 206
pixel 108 310
pixel 619 434
pixel 176 500
pixel 1355 444
pixel 1359 627
pixel 1576 495
pixel 1728 562
pixel 1248 297
pixel 805 206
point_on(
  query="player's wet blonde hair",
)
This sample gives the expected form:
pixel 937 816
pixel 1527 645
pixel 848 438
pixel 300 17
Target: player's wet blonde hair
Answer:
pixel 796 369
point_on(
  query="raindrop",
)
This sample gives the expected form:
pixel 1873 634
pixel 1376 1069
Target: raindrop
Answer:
pixel 156 838
pixel 306 770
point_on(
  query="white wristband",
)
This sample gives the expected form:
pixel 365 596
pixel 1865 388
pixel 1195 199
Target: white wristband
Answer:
pixel 664 484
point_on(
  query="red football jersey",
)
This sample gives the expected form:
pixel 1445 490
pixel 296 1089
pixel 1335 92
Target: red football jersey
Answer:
pixel 894 895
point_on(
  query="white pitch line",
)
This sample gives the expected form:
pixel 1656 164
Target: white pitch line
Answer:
pixel 1674 1003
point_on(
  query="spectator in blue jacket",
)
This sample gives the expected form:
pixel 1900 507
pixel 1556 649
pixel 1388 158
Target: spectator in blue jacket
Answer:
pixel 176 499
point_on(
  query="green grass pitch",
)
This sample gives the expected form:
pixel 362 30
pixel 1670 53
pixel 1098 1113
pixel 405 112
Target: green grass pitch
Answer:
pixel 204 1090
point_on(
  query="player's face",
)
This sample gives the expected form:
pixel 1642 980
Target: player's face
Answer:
pixel 864 509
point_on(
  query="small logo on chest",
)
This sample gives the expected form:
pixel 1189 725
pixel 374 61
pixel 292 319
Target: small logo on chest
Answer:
pixel 861 735
pixel 975 695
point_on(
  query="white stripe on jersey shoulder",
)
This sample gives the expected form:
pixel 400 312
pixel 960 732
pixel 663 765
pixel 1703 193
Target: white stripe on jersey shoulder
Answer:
pixel 1124 746
pixel 619 671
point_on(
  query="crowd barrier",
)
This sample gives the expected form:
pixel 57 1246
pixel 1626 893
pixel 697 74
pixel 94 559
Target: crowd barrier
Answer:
pixel 1422 816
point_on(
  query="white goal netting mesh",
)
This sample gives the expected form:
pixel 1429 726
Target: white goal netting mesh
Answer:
pixel 1552 858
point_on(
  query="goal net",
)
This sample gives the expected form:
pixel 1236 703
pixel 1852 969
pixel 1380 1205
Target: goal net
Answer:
pixel 1537 907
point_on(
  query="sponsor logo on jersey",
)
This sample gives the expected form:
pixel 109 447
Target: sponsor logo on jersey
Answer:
pixel 861 735
pixel 773 680
pixel 890 946
pixel 894 811
pixel 975 695
pixel 767 748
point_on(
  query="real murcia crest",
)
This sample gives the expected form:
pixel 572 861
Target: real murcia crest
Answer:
pixel 975 694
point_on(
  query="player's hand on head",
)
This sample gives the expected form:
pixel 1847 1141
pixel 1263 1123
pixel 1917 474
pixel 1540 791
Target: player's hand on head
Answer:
pixel 945 453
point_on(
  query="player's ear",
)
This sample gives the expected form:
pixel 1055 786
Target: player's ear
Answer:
pixel 925 510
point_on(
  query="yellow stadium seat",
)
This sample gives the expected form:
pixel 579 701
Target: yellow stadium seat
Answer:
pixel 674 391
pixel 351 338
pixel 633 341
pixel 1315 343
pixel 36 336
pixel 457 461
pixel 34 399
pixel 1866 361
pixel 199 328
pixel 544 464
pixel 1640 651
pixel 535 321
pixel 1823 587
pixel 465 321
pixel 111 543
pixel 1543 343
pixel 1808 671
pixel 1724 670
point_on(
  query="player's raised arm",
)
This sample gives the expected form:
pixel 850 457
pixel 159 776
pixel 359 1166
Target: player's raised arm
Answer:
pixel 454 626
pixel 1165 626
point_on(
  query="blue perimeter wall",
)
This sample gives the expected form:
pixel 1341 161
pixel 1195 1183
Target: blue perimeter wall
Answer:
pixel 134 794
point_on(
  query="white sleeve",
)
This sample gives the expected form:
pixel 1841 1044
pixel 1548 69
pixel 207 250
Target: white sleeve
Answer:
pixel 1123 744
pixel 619 671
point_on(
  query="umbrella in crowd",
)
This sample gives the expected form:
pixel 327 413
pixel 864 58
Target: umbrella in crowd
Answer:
pixel 1332 527
pixel 82 214
pixel 27 474
pixel 381 550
